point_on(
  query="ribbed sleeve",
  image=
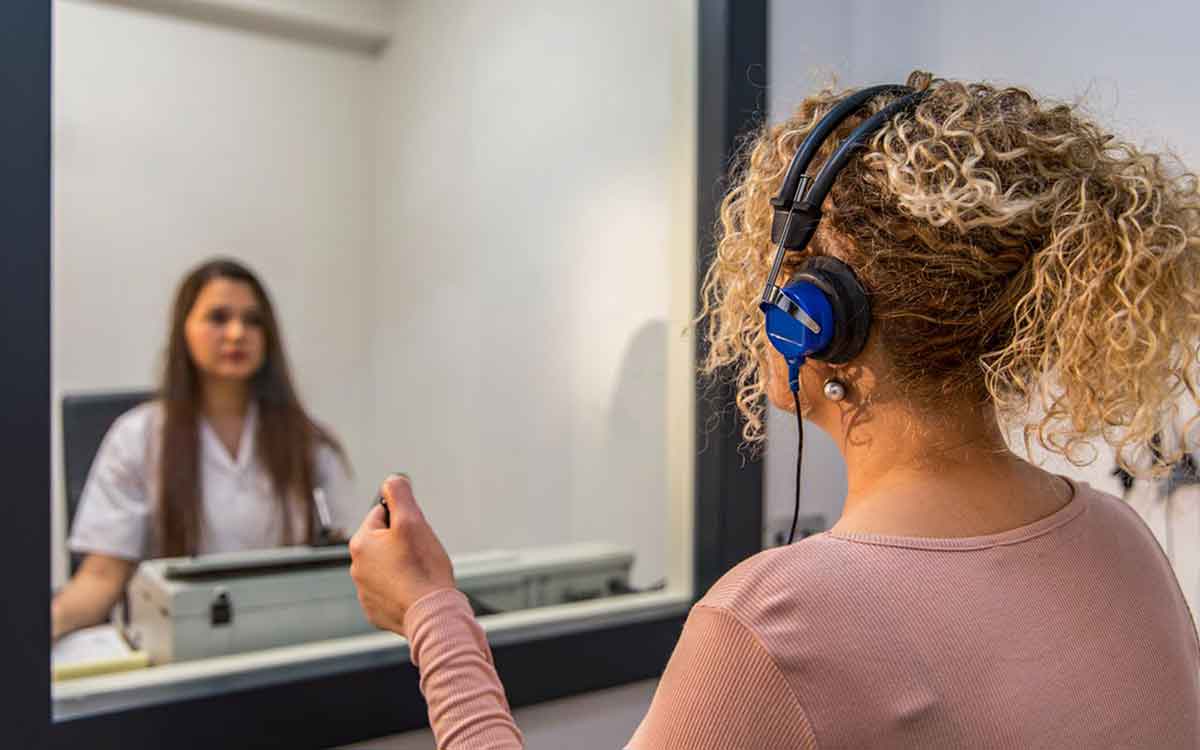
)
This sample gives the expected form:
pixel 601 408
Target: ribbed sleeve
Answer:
pixel 722 690
pixel 467 706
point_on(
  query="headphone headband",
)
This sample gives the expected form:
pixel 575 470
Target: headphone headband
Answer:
pixel 812 142
pixel 798 204
pixel 801 195
pixel 857 139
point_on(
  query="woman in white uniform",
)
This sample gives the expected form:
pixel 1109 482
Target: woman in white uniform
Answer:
pixel 225 459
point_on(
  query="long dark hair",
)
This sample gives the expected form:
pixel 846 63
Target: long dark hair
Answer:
pixel 285 438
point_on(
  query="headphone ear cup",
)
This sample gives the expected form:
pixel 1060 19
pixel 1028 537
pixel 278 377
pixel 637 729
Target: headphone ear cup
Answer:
pixel 850 304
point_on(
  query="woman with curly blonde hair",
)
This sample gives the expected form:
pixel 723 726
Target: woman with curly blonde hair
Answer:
pixel 1018 260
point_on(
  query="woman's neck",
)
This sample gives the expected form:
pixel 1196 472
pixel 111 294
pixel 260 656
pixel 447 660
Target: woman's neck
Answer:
pixel 910 474
pixel 225 399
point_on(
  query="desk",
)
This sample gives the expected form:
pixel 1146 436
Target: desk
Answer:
pixel 90 696
pixel 219 605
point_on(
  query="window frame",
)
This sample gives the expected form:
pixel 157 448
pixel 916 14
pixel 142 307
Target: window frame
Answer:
pixel 365 703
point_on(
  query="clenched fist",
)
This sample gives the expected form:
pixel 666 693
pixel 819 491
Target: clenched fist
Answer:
pixel 395 565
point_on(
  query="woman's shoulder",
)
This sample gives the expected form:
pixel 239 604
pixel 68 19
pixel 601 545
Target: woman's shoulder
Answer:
pixel 1111 510
pixel 802 570
pixel 139 422
pixel 1119 518
pixel 130 446
pixel 773 585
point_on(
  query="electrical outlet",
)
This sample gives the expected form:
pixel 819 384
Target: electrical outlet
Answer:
pixel 775 533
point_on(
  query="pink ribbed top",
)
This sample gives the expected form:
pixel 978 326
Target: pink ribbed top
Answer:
pixel 1067 633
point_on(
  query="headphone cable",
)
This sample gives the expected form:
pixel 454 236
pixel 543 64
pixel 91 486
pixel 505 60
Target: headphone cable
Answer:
pixel 799 460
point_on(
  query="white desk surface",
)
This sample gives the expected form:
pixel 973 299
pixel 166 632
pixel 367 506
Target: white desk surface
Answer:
pixel 89 696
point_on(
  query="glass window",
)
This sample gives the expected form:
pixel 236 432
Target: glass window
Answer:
pixel 471 244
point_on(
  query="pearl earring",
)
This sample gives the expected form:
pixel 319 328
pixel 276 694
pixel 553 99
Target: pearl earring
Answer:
pixel 835 390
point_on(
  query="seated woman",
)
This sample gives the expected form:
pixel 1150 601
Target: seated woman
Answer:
pixel 225 459
pixel 1013 254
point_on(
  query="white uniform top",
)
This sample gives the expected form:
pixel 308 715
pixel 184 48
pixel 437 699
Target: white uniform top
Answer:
pixel 239 508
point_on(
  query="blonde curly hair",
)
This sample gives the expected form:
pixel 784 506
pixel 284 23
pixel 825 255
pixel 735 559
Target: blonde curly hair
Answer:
pixel 1015 253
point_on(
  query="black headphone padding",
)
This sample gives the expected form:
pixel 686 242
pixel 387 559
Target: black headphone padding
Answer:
pixel 849 301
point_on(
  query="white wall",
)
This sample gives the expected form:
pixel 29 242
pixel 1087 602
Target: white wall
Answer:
pixel 1132 66
pixel 175 141
pixel 532 269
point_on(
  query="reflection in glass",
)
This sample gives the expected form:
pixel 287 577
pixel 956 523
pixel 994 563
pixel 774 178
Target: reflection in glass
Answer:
pixel 223 459
pixel 483 262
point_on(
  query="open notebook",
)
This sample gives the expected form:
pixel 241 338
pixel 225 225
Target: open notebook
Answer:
pixel 92 651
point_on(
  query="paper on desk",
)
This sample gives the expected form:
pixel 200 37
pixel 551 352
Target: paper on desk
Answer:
pixel 96 650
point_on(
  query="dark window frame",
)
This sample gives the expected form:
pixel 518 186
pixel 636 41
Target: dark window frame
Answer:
pixel 357 705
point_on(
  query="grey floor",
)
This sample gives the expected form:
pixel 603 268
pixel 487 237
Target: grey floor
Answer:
pixel 604 720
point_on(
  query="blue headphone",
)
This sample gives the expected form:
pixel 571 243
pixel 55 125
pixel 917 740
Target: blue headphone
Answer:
pixel 823 312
